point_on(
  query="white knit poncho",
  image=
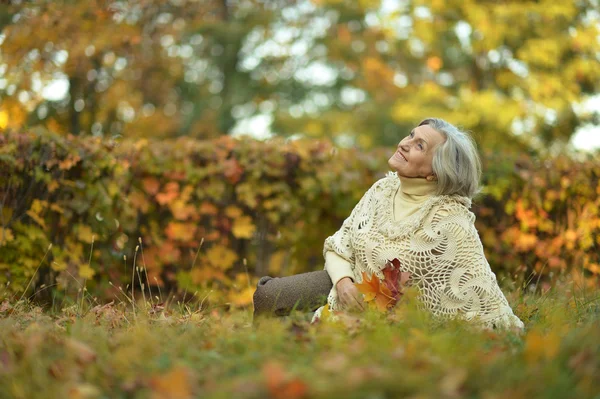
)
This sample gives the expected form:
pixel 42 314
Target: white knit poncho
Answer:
pixel 438 244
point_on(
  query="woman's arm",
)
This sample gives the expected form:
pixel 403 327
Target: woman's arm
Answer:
pixel 339 258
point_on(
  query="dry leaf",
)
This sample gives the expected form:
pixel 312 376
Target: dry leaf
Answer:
pixel 175 384
pixel 281 385
pixel 83 353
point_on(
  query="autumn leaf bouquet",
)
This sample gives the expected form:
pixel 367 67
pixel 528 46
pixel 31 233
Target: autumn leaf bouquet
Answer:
pixel 381 295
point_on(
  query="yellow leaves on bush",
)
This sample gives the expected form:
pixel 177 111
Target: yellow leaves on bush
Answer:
pixel 6 236
pixel 184 232
pixel 206 273
pixel 241 298
pixel 181 210
pixel 37 206
pixel 177 383
pixel 243 227
pixel 84 233
pixel 139 200
pixel 3 119
pixel 221 257
pixel 86 272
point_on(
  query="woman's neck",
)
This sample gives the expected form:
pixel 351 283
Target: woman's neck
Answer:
pixel 417 186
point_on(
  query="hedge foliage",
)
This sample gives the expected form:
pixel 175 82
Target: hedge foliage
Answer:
pixel 213 215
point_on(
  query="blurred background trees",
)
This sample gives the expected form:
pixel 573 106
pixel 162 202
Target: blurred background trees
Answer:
pixel 516 73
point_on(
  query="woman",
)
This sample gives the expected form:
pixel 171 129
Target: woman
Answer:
pixel 420 215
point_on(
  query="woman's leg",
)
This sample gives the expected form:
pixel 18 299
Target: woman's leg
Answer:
pixel 279 295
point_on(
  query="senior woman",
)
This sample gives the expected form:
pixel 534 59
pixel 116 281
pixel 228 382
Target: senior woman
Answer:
pixel 420 215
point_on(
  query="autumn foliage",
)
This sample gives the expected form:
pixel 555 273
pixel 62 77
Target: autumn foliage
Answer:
pixel 198 216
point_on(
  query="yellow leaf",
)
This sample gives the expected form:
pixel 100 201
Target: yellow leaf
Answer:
pixel 243 227
pixel 36 218
pixel 221 257
pixel 541 347
pixel 6 235
pixel 85 234
pixel 243 297
pixel 57 208
pixel 53 185
pixel 233 212
pixel 3 119
pixel 86 272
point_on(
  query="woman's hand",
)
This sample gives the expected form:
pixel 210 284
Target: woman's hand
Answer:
pixel 349 296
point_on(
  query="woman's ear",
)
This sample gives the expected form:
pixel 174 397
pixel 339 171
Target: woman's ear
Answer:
pixel 431 177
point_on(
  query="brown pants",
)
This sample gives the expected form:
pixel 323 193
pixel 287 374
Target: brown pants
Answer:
pixel 280 295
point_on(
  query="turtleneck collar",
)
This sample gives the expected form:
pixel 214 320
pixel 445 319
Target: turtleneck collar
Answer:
pixel 417 186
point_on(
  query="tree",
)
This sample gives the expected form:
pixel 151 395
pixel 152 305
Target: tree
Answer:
pixel 359 72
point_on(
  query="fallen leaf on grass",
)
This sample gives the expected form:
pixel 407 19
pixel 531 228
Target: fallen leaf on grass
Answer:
pixel 178 383
pixel 452 384
pixel 84 391
pixel 541 347
pixel 280 384
pixel 83 353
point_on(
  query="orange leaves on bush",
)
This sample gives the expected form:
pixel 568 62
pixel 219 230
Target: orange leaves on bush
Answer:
pixel 207 208
pixel 170 192
pixel 280 384
pixel 181 231
pixel 151 185
pixel 203 274
pixel 69 162
pixel 181 210
pixel 232 170
pixel 139 200
pixel 434 63
pixel 384 295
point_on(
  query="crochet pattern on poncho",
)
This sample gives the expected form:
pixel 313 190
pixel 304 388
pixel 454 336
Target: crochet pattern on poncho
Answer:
pixel 440 247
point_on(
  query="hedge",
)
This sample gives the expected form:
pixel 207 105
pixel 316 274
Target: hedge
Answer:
pixel 201 216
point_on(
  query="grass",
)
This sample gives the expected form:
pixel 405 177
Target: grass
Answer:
pixel 85 350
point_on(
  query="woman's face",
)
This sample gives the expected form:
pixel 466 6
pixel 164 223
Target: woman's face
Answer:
pixel 414 155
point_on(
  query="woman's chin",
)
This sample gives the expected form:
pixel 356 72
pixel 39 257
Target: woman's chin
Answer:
pixel 394 164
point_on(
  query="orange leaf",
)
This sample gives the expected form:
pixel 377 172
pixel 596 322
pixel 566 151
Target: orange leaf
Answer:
pixel 280 385
pixel 180 231
pixel 169 194
pixel 369 287
pixel 232 170
pixel 151 185
pixel 177 383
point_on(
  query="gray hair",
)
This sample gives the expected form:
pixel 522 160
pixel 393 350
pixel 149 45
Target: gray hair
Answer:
pixel 456 162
